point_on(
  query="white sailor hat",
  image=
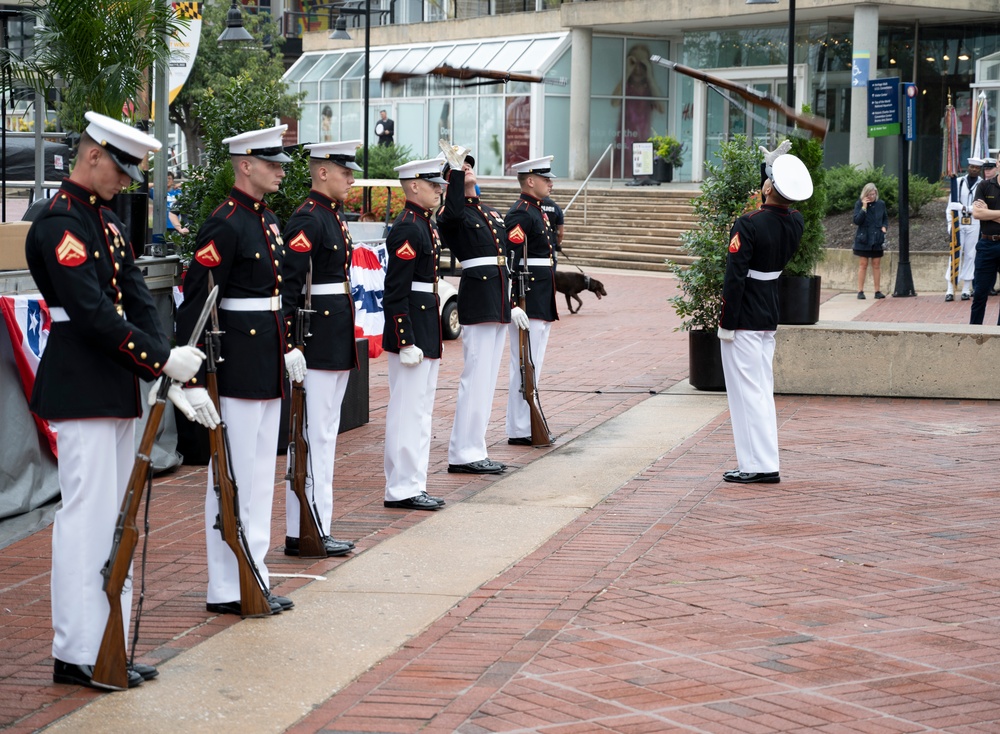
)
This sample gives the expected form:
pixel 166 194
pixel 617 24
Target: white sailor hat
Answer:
pixel 537 166
pixel 124 144
pixel 791 178
pixel 343 153
pixel 989 163
pixel 973 161
pixel 263 144
pixel 429 170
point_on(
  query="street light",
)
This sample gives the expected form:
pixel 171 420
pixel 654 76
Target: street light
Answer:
pixel 340 33
pixel 235 32
pixel 790 96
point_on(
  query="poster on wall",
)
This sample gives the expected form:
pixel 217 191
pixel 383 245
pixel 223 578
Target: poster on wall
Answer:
pixel 517 132
pixel 641 115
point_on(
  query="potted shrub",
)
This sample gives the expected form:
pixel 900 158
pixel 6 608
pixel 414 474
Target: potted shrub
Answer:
pixel 729 189
pixel 666 155
pixel 799 286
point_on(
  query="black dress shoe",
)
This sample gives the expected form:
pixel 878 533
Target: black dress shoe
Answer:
pixel 879 295
pixel 233 607
pixel 483 466
pixel 422 501
pixel 333 547
pixel 283 602
pixel 966 296
pixel 949 298
pixel 752 477
pixel 520 441
pixel 82 675
pixel 148 672
pixel 994 292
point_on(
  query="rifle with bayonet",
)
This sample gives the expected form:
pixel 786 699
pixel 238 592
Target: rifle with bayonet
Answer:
pixel 253 590
pixel 465 74
pixel 540 435
pixel 111 668
pixel 310 528
pixel 816 126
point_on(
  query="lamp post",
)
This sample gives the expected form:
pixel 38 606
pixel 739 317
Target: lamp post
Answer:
pixel 790 84
pixel 341 34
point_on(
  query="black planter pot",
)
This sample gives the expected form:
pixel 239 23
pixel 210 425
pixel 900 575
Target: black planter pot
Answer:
pixel 705 361
pixel 662 171
pixel 798 299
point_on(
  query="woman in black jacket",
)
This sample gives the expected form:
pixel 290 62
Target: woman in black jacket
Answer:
pixel 873 221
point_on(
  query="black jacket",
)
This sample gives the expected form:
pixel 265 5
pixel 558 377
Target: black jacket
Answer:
pixel 763 241
pixel 870 222
pixel 527 225
pixel 472 229
pixel 316 233
pixel 412 317
pixel 240 244
pixel 80 260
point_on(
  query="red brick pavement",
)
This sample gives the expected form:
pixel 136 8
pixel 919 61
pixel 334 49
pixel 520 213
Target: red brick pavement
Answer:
pixel 859 595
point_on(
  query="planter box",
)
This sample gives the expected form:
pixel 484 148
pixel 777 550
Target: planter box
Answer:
pixel 705 361
pixel 798 299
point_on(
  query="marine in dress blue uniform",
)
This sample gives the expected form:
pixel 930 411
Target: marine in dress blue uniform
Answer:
pixel 474 232
pixel 412 338
pixel 760 245
pixel 105 337
pixel 530 236
pixel 240 246
pixel 318 247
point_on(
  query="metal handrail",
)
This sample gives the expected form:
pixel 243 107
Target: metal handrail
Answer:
pixel 583 186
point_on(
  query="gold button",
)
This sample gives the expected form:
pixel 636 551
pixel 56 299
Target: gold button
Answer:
pixel 334 247
pixel 194 380
pixel 256 207
pixel 484 277
pixel 402 341
pixel 272 247
pixel 279 278
pixel 289 345
pixel 131 345
pixel 276 263
pixel 276 291
pixel 400 319
pixel 96 254
pixel 117 267
pixel 142 355
pixel 253 332
pixel 156 365
pixel 402 331
pixel 257 255
pixel 114 281
pixel 326 313
pixel 230 204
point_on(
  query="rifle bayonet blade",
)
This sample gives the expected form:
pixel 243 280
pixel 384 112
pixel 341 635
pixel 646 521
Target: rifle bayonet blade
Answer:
pixel 206 311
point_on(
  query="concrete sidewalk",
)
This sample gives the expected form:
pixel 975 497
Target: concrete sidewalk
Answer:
pixel 610 583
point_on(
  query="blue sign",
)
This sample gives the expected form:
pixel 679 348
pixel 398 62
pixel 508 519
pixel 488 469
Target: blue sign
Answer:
pixel 910 115
pixel 883 107
pixel 860 69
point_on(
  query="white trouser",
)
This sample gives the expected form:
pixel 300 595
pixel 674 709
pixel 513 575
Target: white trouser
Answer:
pixel 408 427
pixel 518 415
pixel 324 393
pixel 482 350
pixel 747 363
pixel 95 461
pixel 253 440
pixel 967 238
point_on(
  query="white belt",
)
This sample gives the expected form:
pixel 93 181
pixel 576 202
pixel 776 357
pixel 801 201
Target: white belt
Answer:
pixel 58 313
pixel 251 304
pixel 424 287
pixel 760 275
pixel 330 289
pixel 539 262
pixel 478 262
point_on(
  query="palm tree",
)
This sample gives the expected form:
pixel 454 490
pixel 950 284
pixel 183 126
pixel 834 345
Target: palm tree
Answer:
pixel 99 52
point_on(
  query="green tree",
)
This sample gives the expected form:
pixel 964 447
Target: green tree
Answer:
pixel 215 69
pixel 101 50
pixel 811 249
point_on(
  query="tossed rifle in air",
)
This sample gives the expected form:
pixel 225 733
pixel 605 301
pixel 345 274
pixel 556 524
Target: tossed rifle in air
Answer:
pixel 111 668
pixel 310 528
pixel 540 435
pixel 466 74
pixel 816 126
pixel 253 590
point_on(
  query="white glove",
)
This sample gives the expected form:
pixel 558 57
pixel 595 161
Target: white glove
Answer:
pixel 519 318
pixel 726 335
pixel 204 409
pixel 183 363
pixel 770 156
pixel 454 154
pixel 175 394
pixel 295 363
pixel 411 356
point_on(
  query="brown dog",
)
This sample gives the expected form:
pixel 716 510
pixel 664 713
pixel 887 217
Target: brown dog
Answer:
pixel 572 283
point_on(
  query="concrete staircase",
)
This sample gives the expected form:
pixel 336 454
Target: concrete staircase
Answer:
pixel 632 228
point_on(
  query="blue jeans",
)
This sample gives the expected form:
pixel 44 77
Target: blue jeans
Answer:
pixel 987 263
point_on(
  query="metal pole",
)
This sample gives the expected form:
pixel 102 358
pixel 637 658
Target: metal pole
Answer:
pixel 791 57
pixel 368 48
pixel 161 84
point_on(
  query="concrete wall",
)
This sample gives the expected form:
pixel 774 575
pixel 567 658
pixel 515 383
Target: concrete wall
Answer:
pixel 839 271
pixel 891 360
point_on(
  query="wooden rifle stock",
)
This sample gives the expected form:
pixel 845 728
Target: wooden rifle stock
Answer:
pixel 111 668
pixel 953 248
pixel 539 427
pixel 310 532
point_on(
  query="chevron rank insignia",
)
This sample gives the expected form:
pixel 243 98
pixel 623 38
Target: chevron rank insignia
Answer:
pixel 517 235
pixel 300 243
pixel 406 251
pixel 734 243
pixel 71 251
pixel 208 255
